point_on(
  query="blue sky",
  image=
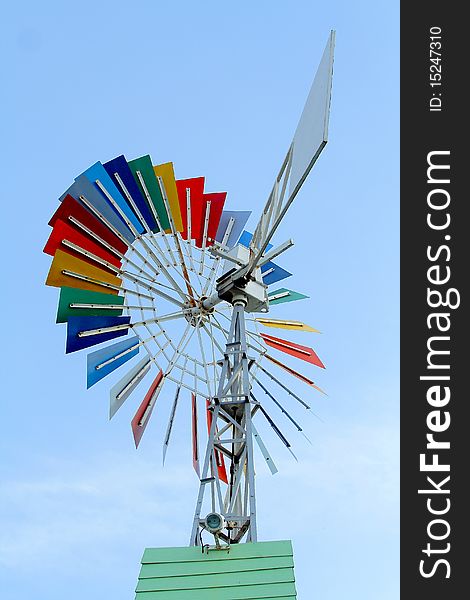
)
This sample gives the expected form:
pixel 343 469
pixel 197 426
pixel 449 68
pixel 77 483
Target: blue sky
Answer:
pixel 218 89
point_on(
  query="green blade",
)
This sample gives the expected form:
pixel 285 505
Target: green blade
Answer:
pixel 70 296
pixel 284 295
pixel 144 166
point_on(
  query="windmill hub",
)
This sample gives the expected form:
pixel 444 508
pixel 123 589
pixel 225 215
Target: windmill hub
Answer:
pixel 203 309
pixel 195 315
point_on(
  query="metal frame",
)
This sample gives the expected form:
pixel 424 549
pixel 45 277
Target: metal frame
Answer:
pixel 231 411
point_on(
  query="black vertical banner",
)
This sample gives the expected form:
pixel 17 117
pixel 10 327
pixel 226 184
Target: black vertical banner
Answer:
pixel 435 323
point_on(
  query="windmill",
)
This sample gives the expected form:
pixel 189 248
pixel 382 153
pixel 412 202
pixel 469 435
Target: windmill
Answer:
pixel 161 263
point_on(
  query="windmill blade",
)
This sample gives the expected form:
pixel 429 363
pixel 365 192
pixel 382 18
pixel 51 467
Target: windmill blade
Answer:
pixel 166 441
pixel 72 211
pixel 195 186
pixel 217 201
pixel 78 326
pixel 219 457
pixel 144 412
pixel 98 230
pixel 272 273
pixel 246 240
pixel 279 405
pixel 296 350
pixel 125 386
pixel 276 429
pixel 284 295
pixel 104 361
pixel 284 387
pixel 92 199
pixel 294 373
pixel 175 226
pixel 282 409
pixel 239 221
pixel 310 138
pixel 69 271
pixel 194 434
pixel 167 173
pixel 264 451
pixel 144 175
pixel 196 216
pixel 98 176
pixel 65 236
pixel 282 324
pixel 74 302
pixel 120 172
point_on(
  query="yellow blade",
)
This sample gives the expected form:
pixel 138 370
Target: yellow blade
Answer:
pixel 281 324
pixel 65 262
pixel 167 173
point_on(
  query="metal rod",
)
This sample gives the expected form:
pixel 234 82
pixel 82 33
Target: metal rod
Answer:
pixel 118 356
pixel 278 404
pixel 284 387
pixel 204 236
pixel 264 451
pixel 275 252
pixel 216 261
pixel 128 325
pixel 130 200
pixel 175 237
pixel 134 381
pixel 155 214
pixel 102 283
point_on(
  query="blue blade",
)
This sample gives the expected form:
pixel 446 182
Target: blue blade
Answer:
pixel 245 240
pixel 97 358
pixel 241 217
pixel 77 324
pixel 97 171
pixel 119 165
pixel 276 275
pixel 82 186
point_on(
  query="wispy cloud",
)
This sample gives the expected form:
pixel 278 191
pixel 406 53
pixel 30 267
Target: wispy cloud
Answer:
pixel 81 507
pixel 85 514
pixel 350 475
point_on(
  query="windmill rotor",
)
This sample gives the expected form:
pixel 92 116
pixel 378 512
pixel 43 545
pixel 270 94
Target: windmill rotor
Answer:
pixel 164 285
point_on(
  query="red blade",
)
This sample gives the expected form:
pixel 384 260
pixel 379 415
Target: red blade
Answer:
pixel 194 434
pixel 69 207
pixel 64 232
pixel 219 457
pixel 196 187
pixel 217 201
pixel 293 372
pixel 142 416
pixel 303 352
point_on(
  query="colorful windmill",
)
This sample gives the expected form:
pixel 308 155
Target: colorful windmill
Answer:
pixel 162 269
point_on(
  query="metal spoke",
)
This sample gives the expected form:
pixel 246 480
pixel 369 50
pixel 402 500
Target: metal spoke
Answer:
pixel 216 260
pixel 203 354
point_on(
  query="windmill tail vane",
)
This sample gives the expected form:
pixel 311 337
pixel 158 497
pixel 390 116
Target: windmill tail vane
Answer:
pixel 168 290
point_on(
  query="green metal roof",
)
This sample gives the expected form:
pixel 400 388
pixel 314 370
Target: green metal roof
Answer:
pixel 251 571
